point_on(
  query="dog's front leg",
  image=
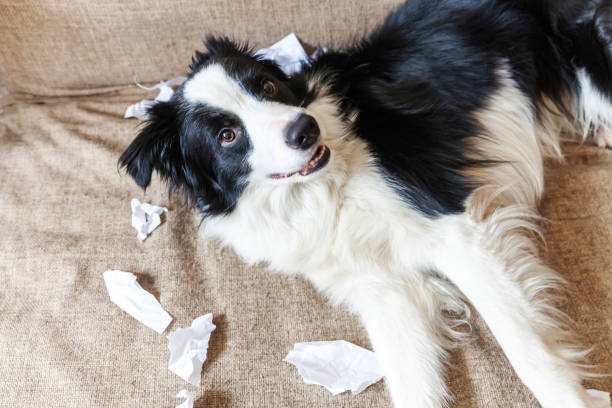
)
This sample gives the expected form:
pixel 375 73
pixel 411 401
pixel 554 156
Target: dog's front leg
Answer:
pixel 497 268
pixel 402 321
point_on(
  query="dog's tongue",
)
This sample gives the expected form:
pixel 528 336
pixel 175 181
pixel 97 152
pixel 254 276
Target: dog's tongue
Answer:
pixel 319 159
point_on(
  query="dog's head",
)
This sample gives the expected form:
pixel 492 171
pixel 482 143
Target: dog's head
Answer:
pixel 237 120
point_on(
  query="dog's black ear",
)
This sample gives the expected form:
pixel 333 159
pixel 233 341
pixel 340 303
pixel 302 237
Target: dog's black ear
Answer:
pixel 219 47
pixel 156 147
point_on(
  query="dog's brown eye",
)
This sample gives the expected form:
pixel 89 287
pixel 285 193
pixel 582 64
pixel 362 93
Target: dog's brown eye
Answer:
pixel 269 88
pixel 227 136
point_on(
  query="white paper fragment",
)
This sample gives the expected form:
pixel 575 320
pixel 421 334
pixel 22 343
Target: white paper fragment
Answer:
pixel 599 399
pixel 189 399
pixel 140 110
pixel 188 348
pixel 288 54
pixel 336 365
pixel 125 292
pixel 145 217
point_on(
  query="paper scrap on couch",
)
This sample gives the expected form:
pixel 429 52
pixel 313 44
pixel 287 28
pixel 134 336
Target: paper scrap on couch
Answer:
pixel 336 365
pixel 126 292
pixel 145 217
pixel 188 347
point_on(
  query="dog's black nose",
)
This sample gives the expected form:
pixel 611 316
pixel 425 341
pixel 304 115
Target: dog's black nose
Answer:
pixel 303 133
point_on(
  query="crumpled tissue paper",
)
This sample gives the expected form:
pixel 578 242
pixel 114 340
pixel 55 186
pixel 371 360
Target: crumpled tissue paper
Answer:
pixel 188 397
pixel 140 110
pixel 188 348
pixel 125 292
pixel 600 399
pixel 145 217
pixel 336 365
pixel 288 53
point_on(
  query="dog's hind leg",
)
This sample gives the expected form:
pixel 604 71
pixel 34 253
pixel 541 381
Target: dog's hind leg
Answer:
pixel 494 262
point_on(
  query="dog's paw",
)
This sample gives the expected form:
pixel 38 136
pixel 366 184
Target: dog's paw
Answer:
pixel 603 138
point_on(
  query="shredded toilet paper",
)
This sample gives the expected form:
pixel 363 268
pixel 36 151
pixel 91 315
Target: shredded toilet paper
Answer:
pixel 188 397
pixel 140 110
pixel 288 54
pixel 336 365
pixel 125 292
pixel 600 399
pixel 188 348
pixel 145 217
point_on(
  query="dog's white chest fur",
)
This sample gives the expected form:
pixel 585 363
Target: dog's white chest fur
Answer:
pixel 347 221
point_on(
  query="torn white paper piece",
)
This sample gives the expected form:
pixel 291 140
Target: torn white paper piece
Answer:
pixel 188 348
pixel 140 110
pixel 145 217
pixel 288 54
pixel 188 397
pixel 336 365
pixel 125 292
pixel 599 399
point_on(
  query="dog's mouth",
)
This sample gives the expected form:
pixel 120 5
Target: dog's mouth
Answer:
pixel 319 159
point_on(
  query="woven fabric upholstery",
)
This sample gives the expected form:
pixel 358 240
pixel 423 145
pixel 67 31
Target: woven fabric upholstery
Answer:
pixel 84 46
pixel 66 216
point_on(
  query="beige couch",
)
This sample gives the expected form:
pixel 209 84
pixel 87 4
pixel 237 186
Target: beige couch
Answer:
pixel 66 70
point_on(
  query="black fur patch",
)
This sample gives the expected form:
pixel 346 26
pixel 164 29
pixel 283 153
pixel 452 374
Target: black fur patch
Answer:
pixel 182 144
pixel 417 80
pixel 240 63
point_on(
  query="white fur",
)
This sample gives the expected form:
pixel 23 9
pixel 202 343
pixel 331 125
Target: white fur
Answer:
pixel 594 111
pixel 266 123
pixel 508 135
pixel 349 233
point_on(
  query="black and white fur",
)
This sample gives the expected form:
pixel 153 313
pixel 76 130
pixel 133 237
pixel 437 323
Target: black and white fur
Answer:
pixel 437 125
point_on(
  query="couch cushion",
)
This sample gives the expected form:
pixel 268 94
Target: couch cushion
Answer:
pixel 65 212
pixel 83 46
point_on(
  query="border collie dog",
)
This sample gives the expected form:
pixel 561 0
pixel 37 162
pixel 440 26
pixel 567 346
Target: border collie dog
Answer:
pixel 401 175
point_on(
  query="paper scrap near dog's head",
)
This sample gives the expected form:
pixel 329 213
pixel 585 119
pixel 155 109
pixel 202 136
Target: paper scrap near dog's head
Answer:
pixel 145 218
pixel 125 292
pixel 188 347
pixel 140 110
pixel 289 54
pixel 336 365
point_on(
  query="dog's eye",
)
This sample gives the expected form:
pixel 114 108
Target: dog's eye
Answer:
pixel 268 87
pixel 227 136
